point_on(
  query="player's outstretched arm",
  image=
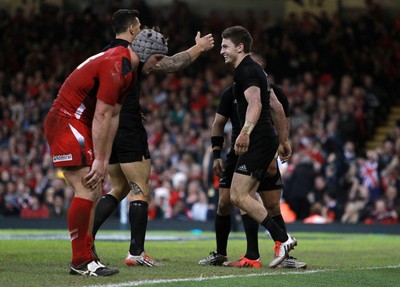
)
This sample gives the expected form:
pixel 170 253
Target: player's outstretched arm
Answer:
pixel 181 60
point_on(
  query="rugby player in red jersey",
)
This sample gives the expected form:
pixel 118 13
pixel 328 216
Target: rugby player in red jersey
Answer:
pixel 80 128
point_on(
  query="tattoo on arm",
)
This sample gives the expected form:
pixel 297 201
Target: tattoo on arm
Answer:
pixel 174 63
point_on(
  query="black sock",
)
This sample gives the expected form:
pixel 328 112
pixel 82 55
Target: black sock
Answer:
pixel 222 230
pixel 251 230
pixel 279 220
pixel 105 207
pixel 138 217
pixel 276 232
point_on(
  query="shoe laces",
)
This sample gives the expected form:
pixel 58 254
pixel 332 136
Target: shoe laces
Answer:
pixel 246 262
pixel 154 262
pixel 213 254
pixel 242 258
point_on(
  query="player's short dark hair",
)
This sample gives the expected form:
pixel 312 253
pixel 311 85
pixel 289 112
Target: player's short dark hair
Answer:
pixel 239 34
pixel 123 18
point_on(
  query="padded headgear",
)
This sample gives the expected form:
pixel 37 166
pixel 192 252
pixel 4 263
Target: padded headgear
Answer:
pixel 149 42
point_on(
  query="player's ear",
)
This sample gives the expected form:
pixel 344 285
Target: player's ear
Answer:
pixel 132 29
pixel 240 47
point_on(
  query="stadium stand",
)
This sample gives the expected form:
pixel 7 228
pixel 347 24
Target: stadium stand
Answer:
pixel 341 76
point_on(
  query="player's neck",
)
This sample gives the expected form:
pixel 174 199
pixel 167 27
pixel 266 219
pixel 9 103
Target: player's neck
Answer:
pixel 125 36
pixel 240 58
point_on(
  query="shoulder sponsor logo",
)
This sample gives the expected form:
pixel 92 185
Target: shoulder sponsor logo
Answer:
pixel 62 157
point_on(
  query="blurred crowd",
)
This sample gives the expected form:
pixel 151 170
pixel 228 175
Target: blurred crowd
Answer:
pixel 341 76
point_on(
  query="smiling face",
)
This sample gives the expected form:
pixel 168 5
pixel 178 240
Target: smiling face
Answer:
pixel 151 62
pixel 230 52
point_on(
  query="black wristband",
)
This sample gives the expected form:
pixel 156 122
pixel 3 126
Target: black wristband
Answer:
pixel 217 141
pixel 216 153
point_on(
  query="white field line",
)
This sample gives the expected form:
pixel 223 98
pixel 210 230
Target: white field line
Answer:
pixel 201 278
pixel 109 237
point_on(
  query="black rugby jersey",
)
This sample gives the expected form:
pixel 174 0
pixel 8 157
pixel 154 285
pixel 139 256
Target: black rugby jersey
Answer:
pixel 248 73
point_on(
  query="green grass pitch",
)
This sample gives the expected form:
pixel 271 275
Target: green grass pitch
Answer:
pixel 29 259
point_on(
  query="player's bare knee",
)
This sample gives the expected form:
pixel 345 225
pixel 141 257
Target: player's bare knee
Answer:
pixel 236 199
pixel 273 210
pixel 224 207
pixel 120 191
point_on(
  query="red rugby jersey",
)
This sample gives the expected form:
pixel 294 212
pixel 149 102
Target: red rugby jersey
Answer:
pixel 105 76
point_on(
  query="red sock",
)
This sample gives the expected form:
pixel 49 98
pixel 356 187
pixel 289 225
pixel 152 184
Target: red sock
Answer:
pixel 78 224
pixel 89 242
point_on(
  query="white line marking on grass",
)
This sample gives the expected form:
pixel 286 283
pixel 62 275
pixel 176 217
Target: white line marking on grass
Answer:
pixel 201 278
pixel 108 237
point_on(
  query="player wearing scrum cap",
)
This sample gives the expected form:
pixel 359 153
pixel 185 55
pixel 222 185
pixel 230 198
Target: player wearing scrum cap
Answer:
pixel 130 158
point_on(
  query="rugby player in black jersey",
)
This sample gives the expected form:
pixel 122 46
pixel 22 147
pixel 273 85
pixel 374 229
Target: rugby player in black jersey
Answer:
pixel 257 142
pixel 270 189
pixel 130 158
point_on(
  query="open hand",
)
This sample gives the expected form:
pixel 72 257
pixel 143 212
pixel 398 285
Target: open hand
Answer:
pixel 206 42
